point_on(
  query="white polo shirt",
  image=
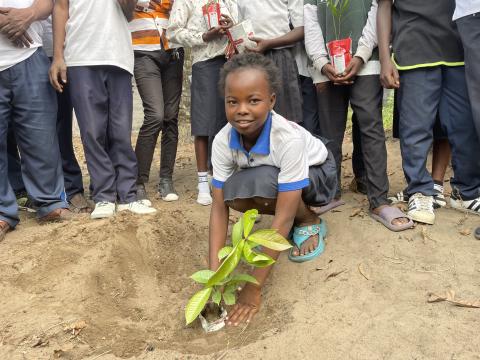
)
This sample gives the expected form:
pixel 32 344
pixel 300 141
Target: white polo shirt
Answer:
pixel 11 55
pixel 98 34
pixel 271 18
pixel 466 8
pixel 282 143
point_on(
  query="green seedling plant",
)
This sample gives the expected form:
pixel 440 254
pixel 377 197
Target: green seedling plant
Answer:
pixel 338 8
pixel 221 284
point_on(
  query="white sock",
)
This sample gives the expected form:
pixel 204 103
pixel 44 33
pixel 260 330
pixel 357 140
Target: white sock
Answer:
pixel 203 186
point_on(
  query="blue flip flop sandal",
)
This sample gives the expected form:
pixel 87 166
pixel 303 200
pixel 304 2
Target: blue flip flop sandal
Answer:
pixel 302 234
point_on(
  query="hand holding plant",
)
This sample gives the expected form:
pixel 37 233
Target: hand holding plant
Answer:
pixel 221 285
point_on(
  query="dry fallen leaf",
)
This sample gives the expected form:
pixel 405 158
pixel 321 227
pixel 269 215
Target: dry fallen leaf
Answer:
pixel 363 271
pixel 465 232
pixel 356 212
pixel 76 327
pixel 450 297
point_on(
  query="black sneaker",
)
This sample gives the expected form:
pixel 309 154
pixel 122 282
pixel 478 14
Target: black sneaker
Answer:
pixel 142 195
pixel 166 190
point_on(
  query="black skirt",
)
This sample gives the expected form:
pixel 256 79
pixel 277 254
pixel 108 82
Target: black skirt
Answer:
pixel 262 182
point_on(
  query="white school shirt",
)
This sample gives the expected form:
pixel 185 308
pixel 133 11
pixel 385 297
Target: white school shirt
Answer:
pixel 317 50
pixel 98 34
pixel 282 143
pixel 465 8
pixel 11 55
pixel 271 18
pixel 187 25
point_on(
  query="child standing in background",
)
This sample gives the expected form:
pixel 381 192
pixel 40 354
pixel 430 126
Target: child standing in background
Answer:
pixel 99 65
pixel 188 27
pixel 359 85
pixel 275 39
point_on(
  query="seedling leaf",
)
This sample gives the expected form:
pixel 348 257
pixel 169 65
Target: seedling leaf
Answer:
pixel 244 278
pixel 217 297
pixel 196 304
pixel 237 231
pixel 228 265
pixel 224 252
pixel 202 276
pixel 229 298
pixel 248 221
pixel 271 239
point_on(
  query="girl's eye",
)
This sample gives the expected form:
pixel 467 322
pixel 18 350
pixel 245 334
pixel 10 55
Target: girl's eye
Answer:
pixel 231 102
pixel 254 101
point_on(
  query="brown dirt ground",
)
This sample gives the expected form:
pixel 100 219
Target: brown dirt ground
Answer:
pixel 124 283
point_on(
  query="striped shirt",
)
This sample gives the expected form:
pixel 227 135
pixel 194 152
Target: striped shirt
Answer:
pixel 149 24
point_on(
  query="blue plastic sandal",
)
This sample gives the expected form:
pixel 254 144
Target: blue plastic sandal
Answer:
pixel 302 234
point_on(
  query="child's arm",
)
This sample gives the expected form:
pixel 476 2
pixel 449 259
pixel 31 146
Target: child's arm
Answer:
pixel 289 38
pixel 128 7
pixel 18 21
pixel 389 74
pixel 179 32
pixel 249 299
pixel 58 69
pixel 218 227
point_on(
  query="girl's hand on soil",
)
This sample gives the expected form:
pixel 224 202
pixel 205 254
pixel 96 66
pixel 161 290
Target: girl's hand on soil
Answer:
pixel 351 71
pixel 248 304
pixel 389 75
pixel 214 34
pixel 262 45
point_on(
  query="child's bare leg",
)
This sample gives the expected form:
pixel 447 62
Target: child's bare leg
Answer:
pixel 201 153
pixel 440 159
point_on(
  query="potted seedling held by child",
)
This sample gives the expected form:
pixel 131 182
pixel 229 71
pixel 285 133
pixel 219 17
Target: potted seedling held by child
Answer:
pixel 220 286
pixel 212 13
pixel 339 50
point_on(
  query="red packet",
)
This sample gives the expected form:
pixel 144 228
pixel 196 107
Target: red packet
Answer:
pixel 212 13
pixel 340 52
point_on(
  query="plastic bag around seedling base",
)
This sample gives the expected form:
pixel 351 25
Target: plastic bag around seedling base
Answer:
pixel 213 318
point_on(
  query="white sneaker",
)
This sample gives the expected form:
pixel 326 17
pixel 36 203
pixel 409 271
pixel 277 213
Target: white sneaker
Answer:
pixel 204 199
pixel 439 197
pixel 420 209
pixel 136 207
pixel 470 206
pixel 103 209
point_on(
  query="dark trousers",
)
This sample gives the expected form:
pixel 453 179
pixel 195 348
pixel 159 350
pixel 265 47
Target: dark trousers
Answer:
pixel 72 175
pixel 423 93
pixel 469 29
pixel 309 105
pixel 159 78
pixel 28 104
pixel 103 102
pixel 365 98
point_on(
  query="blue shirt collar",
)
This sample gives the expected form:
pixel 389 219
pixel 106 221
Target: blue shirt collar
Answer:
pixel 261 147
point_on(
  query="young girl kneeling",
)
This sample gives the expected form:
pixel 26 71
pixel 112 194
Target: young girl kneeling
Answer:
pixel 263 161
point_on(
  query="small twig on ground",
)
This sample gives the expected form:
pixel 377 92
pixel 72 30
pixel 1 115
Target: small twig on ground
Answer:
pixel 105 353
pixel 334 274
pixel 362 271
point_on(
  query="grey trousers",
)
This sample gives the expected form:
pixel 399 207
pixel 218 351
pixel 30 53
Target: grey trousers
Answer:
pixel 365 98
pixel 159 77
pixel 469 29
pixel 103 102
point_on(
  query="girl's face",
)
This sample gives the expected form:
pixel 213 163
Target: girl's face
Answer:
pixel 248 100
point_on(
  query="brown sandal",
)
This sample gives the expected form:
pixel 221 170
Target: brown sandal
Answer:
pixel 79 205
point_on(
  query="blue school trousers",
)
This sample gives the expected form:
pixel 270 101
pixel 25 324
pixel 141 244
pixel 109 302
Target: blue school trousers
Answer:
pixel 103 102
pixel 423 93
pixel 28 104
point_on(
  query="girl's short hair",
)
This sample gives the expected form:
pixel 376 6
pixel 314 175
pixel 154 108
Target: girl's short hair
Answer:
pixel 253 61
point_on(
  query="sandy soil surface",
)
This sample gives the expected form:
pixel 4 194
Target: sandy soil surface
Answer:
pixel 116 289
